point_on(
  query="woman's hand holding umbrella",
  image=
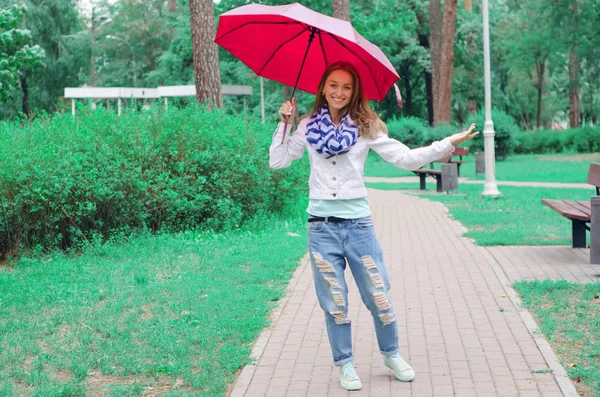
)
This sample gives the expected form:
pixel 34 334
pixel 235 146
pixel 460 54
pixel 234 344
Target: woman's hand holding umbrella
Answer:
pixel 287 109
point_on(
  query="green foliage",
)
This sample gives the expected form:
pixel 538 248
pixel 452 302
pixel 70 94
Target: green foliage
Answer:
pixel 56 27
pixel 411 131
pixel 504 127
pixel 71 180
pixel 15 53
pixel 133 42
pixel 580 140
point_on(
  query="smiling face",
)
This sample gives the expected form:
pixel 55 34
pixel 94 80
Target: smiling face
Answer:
pixel 338 91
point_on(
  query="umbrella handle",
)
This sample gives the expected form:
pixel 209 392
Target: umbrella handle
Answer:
pixel 285 128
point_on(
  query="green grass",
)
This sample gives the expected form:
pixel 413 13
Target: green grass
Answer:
pixel 569 317
pixel 528 168
pixel 518 217
pixel 156 312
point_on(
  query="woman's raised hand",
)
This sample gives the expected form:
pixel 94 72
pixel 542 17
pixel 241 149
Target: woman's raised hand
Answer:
pixel 464 136
pixel 287 109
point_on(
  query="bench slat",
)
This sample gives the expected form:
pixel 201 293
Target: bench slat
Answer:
pixel 428 171
pixel 581 206
pixel 566 209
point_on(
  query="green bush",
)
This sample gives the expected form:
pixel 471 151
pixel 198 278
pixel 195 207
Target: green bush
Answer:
pixel 538 142
pixel 65 180
pixel 411 131
pixel 581 140
pixel 505 129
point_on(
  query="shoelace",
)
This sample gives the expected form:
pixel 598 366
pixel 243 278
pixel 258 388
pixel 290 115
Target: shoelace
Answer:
pixel 350 373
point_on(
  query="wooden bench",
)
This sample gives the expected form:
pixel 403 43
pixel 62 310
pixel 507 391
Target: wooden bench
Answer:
pixel 460 152
pixel 423 172
pixel 437 174
pixel 579 212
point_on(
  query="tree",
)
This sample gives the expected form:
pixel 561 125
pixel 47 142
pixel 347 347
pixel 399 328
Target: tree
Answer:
pixel 15 53
pixel 435 27
pixel 444 98
pixel 206 56
pixel 341 9
pixel 131 45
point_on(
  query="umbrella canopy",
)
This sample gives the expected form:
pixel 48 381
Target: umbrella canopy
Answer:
pixel 294 45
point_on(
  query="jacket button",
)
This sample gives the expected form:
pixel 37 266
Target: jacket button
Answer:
pixel 333 162
pixel 334 194
pixel 334 178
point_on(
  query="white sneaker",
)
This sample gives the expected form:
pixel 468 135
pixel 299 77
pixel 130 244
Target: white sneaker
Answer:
pixel 402 370
pixel 349 380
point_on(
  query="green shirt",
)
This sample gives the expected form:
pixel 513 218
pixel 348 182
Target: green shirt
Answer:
pixel 349 209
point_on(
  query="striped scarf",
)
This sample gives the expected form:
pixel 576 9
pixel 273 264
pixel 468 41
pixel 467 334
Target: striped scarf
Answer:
pixel 326 138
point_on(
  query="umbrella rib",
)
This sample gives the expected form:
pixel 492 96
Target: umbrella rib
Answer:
pixel 358 57
pixel 257 23
pixel 323 49
pixel 278 48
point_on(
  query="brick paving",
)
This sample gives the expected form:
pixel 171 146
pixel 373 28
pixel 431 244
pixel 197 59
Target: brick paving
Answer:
pixel 415 179
pixel 461 326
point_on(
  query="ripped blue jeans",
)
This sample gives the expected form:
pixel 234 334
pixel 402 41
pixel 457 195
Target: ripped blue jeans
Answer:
pixel 330 245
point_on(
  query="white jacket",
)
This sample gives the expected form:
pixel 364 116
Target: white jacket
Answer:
pixel 340 177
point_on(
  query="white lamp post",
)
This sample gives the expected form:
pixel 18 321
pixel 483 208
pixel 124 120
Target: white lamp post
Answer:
pixel 490 188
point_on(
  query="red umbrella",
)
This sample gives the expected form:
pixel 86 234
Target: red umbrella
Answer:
pixel 277 41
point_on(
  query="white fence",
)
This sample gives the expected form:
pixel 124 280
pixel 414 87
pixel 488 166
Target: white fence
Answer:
pixel 165 92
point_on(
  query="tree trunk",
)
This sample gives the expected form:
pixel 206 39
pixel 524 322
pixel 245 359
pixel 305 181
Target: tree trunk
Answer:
pixel 424 42
pixel 25 89
pixel 540 68
pixel 574 105
pixel 408 90
pixel 172 7
pixel 444 99
pixel 469 6
pixel 92 58
pixel 206 56
pixel 341 9
pixel 435 28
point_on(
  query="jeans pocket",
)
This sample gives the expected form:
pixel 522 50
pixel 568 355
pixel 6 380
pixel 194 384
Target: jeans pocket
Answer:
pixel 365 223
pixel 315 226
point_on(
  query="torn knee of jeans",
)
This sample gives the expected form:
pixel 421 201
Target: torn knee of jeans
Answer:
pixel 376 280
pixel 338 298
pixel 387 318
pixel 381 301
pixel 368 262
pixel 322 264
pixel 340 318
pixel 333 283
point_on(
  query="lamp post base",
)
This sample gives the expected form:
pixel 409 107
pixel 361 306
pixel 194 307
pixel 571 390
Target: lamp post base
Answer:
pixel 491 190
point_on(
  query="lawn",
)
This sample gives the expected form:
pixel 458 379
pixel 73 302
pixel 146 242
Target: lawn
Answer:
pixel 568 315
pixel 174 315
pixel 528 168
pixel 518 217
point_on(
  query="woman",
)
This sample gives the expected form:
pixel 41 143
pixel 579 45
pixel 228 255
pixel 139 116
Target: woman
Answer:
pixel 338 136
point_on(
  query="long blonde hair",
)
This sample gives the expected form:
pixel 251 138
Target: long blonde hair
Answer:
pixel 368 122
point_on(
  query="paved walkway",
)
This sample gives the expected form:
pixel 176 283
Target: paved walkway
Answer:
pixel 415 179
pixel 461 326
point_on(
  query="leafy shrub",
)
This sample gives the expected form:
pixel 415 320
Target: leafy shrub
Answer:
pixel 409 130
pixel 583 140
pixel 538 142
pixel 65 180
